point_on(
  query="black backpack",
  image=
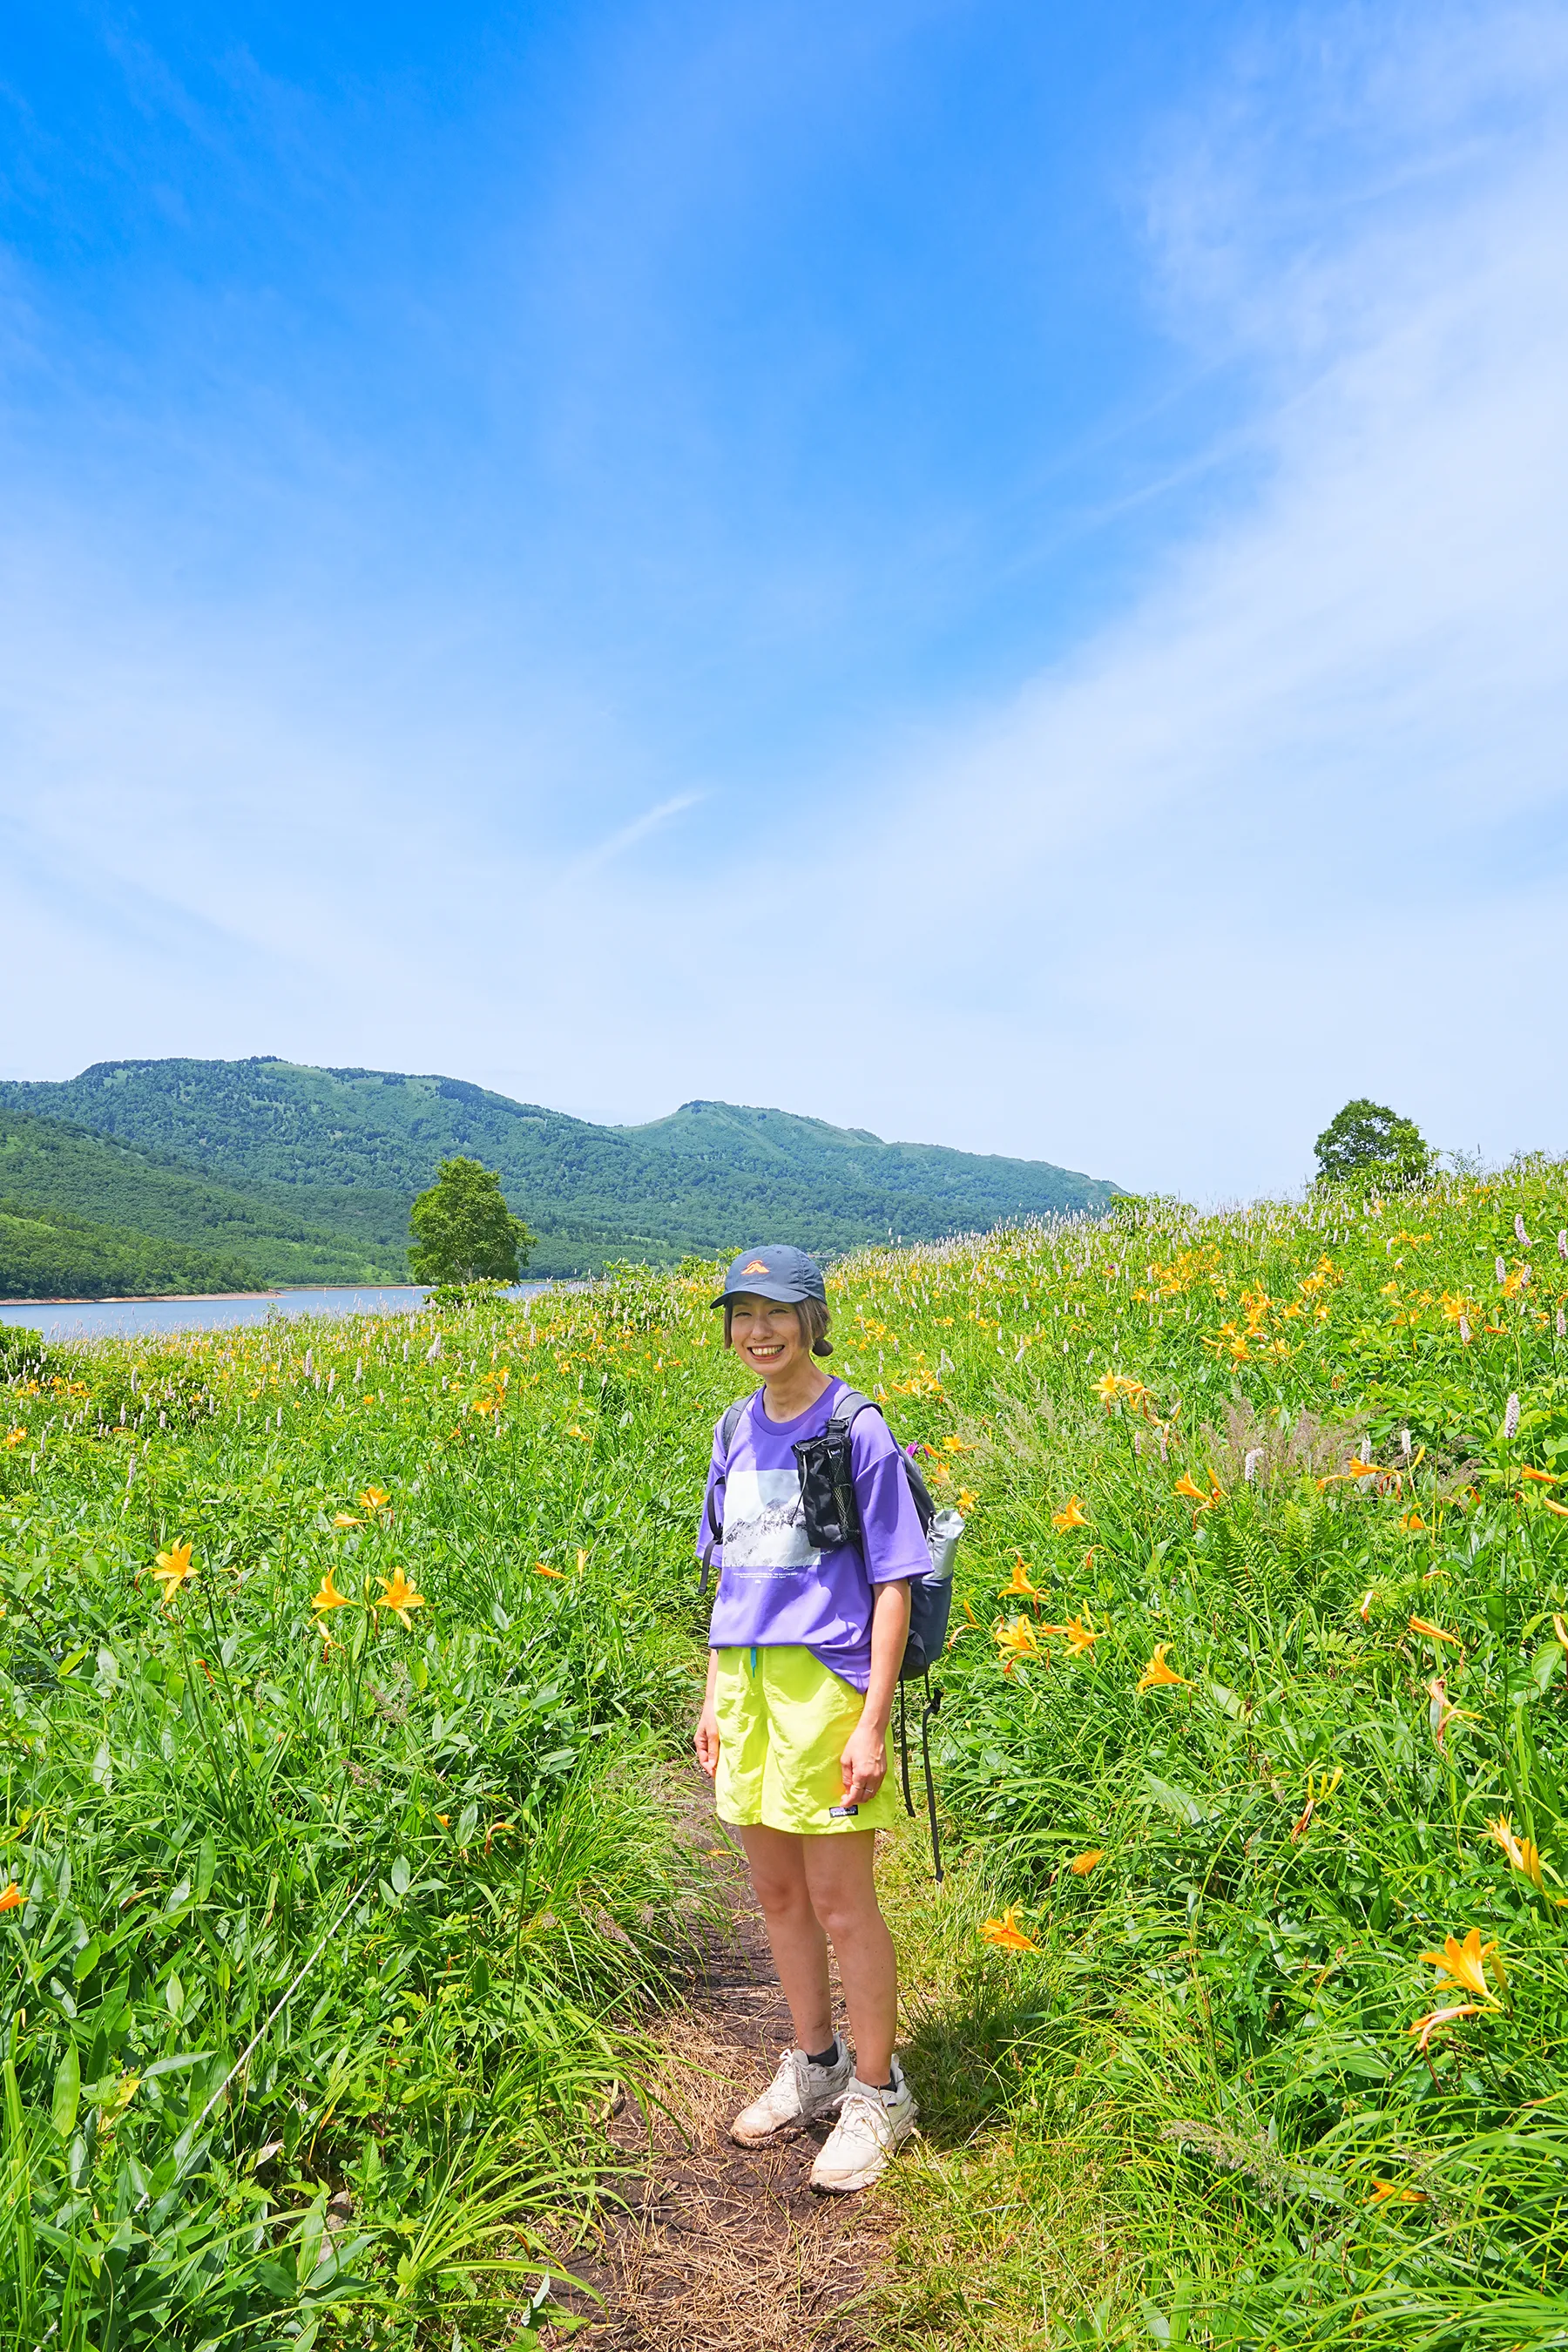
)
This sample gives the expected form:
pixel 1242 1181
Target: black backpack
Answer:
pixel 832 1519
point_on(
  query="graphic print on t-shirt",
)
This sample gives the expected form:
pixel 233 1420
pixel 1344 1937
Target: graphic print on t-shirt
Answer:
pixel 765 1524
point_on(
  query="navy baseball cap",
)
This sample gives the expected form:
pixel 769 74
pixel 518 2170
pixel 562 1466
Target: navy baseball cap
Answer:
pixel 773 1270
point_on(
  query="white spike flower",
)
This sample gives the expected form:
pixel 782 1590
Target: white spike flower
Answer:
pixel 1511 1418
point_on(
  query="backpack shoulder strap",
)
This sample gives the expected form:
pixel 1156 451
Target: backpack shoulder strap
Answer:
pixel 727 1428
pixel 849 1407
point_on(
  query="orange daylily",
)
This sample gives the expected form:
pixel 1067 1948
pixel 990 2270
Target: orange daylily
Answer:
pixel 375 1498
pixel 1157 1672
pixel 17 1437
pixel 12 1898
pixel 174 1569
pixel 1385 2192
pixel 1464 1964
pixel 543 1567
pixel 344 1519
pixel 1071 1515
pixel 1522 1853
pixel 1434 1633
pixel 1079 1637
pixel 1017 1636
pixel 1425 2026
pixel 1082 1863
pixel 1413 1523
pixel 1544 1477
pixel 1187 1486
pixel 1558 1510
pixel 399 1596
pixel 1020 1589
pixel 328 1596
pixel 1005 1935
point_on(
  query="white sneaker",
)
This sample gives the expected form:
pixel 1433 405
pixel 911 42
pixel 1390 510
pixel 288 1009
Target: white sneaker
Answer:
pixel 871 2125
pixel 798 2092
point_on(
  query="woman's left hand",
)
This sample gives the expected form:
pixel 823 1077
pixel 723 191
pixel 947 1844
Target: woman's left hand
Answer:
pixel 864 1763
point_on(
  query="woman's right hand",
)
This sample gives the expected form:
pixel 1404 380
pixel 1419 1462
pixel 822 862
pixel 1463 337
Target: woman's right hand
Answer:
pixel 705 1739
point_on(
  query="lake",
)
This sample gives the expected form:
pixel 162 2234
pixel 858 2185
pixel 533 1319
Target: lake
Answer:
pixel 104 1319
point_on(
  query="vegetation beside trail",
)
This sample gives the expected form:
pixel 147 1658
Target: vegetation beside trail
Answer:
pixel 340 1848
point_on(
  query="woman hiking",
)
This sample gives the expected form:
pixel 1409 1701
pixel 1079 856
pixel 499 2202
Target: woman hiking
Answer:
pixel 804 1648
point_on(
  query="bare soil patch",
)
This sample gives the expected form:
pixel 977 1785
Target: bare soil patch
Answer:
pixel 725 2249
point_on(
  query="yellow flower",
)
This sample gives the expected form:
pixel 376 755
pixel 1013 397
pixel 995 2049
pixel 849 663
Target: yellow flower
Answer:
pixel 344 1519
pixel 1020 1589
pixel 328 1596
pixel 375 1498
pixel 1522 1853
pixel 543 1567
pixel 1005 1935
pixel 967 1498
pixel 399 1596
pixel 1434 1633
pixel 1071 1515
pixel 1017 1636
pixel 1425 2026
pixel 1385 2192
pixel 1558 1510
pixel 1464 1964
pixel 1413 1523
pixel 1082 1863
pixel 1188 1486
pixel 1108 1388
pixel 1078 1637
pixel 13 1897
pixel 17 1437
pixel 582 1562
pixel 1542 1477
pixel 1157 1672
pixel 172 1569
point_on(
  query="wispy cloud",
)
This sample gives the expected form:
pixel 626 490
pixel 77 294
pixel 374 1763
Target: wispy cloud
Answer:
pixel 628 835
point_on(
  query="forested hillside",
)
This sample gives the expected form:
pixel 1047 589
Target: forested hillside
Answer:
pixel 44 1254
pixel 265 1234
pixel 352 1147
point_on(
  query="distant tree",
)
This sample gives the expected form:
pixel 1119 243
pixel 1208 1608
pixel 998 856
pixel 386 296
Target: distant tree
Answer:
pixel 463 1230
pixel 1368 1140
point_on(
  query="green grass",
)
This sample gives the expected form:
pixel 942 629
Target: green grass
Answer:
pixel 1166 2115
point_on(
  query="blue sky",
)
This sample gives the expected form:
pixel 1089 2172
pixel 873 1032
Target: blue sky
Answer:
pixel 987 572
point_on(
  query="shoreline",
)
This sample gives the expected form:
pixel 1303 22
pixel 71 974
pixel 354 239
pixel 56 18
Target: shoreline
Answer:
pixel 198 1298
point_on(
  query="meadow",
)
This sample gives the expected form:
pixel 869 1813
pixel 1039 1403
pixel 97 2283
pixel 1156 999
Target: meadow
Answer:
pixel 347 1671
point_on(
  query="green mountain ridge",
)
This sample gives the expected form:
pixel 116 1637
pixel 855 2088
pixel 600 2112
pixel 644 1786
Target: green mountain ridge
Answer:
pixel 308 1173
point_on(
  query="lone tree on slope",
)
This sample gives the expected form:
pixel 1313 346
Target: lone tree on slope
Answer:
pixel 1368 1140
pixel 463 1230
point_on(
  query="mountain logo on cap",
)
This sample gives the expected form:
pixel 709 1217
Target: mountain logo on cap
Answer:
pixel 758 1265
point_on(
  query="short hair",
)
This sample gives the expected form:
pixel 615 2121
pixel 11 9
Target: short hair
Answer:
pixel 815 1320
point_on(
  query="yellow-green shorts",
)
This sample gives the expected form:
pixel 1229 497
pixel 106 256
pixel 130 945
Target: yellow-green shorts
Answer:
pixel 783 1723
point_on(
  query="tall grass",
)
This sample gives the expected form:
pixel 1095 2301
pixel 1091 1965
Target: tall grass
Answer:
pixel 335 1925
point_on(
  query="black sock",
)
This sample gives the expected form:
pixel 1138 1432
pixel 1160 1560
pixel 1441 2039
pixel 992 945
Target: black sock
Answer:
pixel 828 2057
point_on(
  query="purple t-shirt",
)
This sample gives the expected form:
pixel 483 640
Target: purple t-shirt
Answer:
pixel 775 1586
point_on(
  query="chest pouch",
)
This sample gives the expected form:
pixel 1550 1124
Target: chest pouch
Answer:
pixel 829 1508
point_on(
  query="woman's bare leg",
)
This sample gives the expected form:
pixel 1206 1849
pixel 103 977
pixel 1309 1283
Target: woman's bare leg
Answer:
pixel 794 1931
pixel 838 1875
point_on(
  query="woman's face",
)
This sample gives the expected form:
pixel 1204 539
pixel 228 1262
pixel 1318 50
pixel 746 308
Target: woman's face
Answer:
pixel 765 1335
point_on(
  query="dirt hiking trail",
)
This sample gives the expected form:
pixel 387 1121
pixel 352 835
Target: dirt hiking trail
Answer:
pixel 727 2249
